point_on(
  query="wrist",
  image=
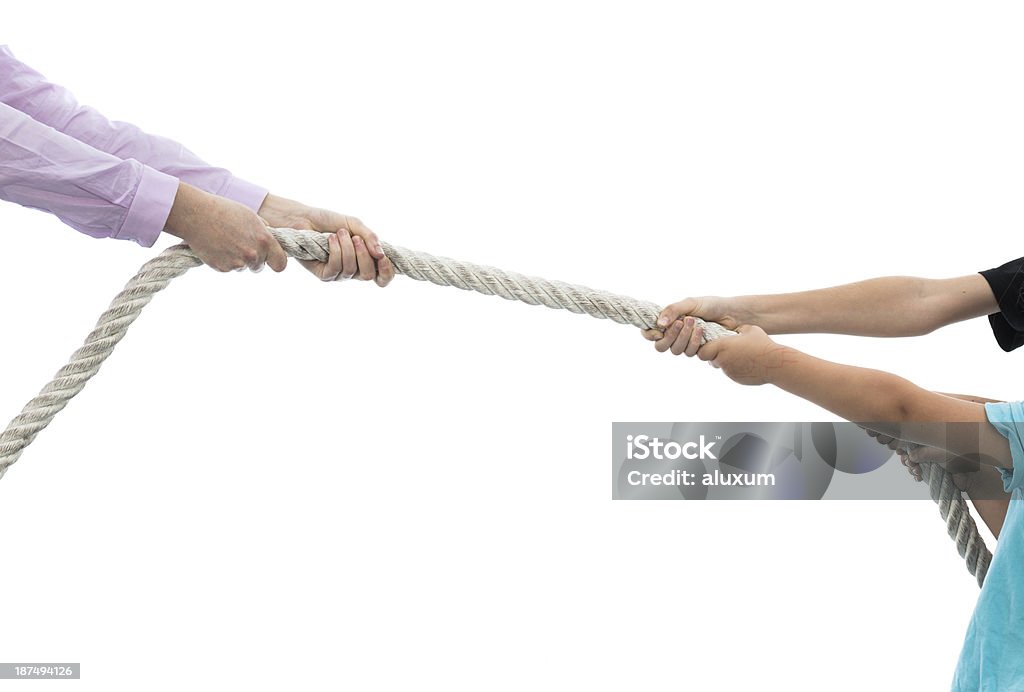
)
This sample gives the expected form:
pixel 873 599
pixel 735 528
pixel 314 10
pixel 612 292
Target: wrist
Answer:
pixel 189 204
pixel 775 314
pixel 777 363
pixel 274 205
pixel 744 310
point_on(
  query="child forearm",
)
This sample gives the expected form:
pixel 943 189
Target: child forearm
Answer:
pixel 888 306
pixel 971 397
pixel 900 408
pixel 856 394
pixel 878 400
pixel 891 404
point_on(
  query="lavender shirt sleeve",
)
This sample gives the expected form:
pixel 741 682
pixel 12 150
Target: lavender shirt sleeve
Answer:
pixel 94 192
pixel 28 91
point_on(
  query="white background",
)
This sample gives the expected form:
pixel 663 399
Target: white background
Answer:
pixel 276 483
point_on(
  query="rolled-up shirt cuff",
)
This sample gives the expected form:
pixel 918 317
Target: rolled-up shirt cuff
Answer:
pixel 1008 419
pixel 1007 284
pixel 244 192
pixel 150 208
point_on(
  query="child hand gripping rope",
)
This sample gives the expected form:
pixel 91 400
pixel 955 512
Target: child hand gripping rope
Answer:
pixel 986 456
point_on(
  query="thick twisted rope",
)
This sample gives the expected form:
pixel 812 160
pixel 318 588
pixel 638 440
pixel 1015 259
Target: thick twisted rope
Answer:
pixel 154 276
pixel 959 522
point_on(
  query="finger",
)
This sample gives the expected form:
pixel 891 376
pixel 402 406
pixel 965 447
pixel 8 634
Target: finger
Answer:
pixel 349 264
pixel 652 334
pixel 255 265
pixel 925 454
pixel 663 344
pixel 683 338
pixel 676 310
pixel 277 258
pixel 359 229
pixel 332 267
pixel 712 349
pixel 367 268
pixel 696 341
pixel 256 255
pixel 385 272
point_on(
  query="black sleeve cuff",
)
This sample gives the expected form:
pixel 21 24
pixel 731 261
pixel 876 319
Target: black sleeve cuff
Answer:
pixel 1007 284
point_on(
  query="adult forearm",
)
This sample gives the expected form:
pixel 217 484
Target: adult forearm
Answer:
pixel 885 307
pixel 92 191
pixel 28 91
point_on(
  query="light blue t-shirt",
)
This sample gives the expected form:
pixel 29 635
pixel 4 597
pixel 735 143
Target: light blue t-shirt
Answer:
pixel 992 659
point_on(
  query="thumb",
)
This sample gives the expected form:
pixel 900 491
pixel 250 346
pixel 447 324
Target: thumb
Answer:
pixel 711 349
pixel 673 312
pixel 752 329
pixel 277 258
